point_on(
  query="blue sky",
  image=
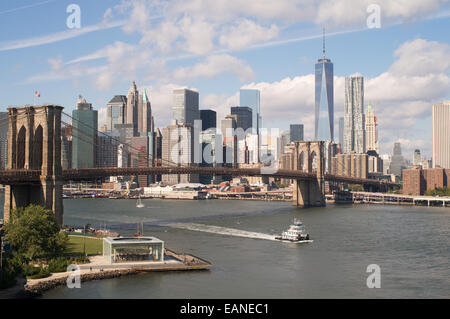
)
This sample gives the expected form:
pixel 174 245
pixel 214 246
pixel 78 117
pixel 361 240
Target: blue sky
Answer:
pixel 218 47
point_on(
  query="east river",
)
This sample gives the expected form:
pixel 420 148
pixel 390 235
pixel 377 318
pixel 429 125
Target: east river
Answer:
pixel 410 245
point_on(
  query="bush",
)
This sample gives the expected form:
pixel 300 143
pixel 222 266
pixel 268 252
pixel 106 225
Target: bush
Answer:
pixel 60 264
pixel 32 272
pixel 7 275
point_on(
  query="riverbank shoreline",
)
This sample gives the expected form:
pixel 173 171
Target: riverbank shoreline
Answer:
pixel 97 269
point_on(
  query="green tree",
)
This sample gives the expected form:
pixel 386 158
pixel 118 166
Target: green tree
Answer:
pixel 34 233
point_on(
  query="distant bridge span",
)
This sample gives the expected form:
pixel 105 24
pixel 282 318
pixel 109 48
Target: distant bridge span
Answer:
pixel 21 176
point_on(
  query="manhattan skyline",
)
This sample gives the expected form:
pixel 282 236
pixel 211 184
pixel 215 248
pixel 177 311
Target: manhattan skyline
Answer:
pixel 169 47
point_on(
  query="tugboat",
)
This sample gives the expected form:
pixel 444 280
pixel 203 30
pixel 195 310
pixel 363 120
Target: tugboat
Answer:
pixel 295 234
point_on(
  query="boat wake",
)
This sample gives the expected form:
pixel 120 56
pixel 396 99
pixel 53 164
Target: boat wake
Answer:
pixel 222 231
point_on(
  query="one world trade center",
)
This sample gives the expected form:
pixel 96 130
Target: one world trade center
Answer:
pixel 324 107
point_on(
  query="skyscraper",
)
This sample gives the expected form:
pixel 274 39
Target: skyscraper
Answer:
pixel 251 98
pixel 324 99
pixel 371 130
pixel 116 111
pixel 244 117
pixel 441 134
pixel 354 137
pixel 84 135
pixel 417 158
pixel 397 162
pixel 209 119
pixel 185 106
pixel 341 131
pixel 132 107
pixel 144 116
pixel 296 132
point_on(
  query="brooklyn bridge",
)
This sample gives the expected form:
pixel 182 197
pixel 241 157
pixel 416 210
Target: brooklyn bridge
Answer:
pixel 34 174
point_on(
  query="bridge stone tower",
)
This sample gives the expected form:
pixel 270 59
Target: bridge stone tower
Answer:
pixel 309 157
pixel 34 143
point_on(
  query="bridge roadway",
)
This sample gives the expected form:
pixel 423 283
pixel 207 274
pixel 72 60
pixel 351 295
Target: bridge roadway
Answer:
pixel 26 176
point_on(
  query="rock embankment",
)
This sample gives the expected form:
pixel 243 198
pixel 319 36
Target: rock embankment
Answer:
pixel 36 287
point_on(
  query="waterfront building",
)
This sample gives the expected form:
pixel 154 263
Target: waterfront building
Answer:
pixel 4 125
pixel 244 117
pixel 441 134
pixel 84 135
pixel 296 132
pixel 371 130
pixel 133 249
pixel 417 180
pixel 397 161
pixel 330 151
pixel 158 147
pixel 116 111
pixel 324 98
pixel 212 154
pixel 252 143
pixel 209 119
pixel 185 106
pixel 354 134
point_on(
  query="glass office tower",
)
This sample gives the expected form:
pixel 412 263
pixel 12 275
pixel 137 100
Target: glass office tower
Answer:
pixel 324 106
pixel 251 98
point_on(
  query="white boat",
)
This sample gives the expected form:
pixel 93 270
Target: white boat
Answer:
pixel 295 234
pixel 139 203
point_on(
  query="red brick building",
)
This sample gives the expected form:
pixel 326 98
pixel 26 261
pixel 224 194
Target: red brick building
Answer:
pixel 416 181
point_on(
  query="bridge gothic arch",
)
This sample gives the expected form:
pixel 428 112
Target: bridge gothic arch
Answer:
pixel 310 158
pixel 34 142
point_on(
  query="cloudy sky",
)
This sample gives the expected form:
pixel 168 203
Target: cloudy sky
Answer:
pixel 220 46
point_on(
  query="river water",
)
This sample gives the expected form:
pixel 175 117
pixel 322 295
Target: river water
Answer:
pixel 410 244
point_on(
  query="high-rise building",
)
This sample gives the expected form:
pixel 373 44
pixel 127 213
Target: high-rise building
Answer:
pixel 324 98
pixel 244 117
pixel 185 106
pixel 371 130
pixel 296 132
pixel 341 131
pixel 132 107
pixel 107 148
pixel 441 134
pixel 251 98
pixel 84 135
pixel 145 118
pixel 417 158
pixel 4 125
pixel 397 161
pixel 209 119
pixel 228 127
pixel 116 111
pixel 354 135
pixel 178 149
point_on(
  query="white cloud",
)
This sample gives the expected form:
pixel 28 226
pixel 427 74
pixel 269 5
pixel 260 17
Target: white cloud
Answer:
pixel 214 65
pixel 245 33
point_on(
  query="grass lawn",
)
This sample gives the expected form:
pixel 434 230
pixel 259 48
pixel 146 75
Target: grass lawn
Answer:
pixel 94 246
